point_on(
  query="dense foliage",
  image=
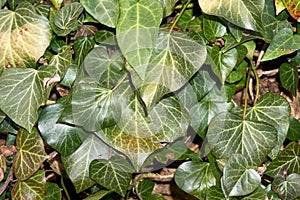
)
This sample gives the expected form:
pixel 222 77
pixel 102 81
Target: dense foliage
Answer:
pixel 98 96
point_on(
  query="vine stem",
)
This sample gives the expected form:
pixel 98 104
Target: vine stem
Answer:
pixel 179 16
pixel 257 83
pixel 64 187
pixel 246 94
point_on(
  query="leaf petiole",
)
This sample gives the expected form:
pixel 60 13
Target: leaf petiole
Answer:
pixel 179 16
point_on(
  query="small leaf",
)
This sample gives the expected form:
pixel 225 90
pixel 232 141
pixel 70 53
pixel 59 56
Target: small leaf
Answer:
pixel 65 19
pixel 287 188
pixel 145 188
pixel 33 188
pixel 105 11
pixel 284 42
pixel 213 28
pixel 61 61
pixel 21 94
pixel 289 78
pixel 105 37
pixel 294 130
pixel 115 173
pixel 168 6
pixel 288 160
pixel 70 76
pixel 82 46
pixel 239 179
pixel 53 192
pixel 31 154
pixel 243 13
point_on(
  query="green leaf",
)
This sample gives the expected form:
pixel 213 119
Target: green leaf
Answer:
pixel 31 154
pixel 238 74
pixel 222 62
pixel 24 36
pixel 43 9
pixel 63 138
pixel 195 178
pixel 176 59
pixel 293 8
pixel 82 46
pixel 99 195
pixel 61 61
pixel 215 193
pixel 243 13
pixel 65 19
pixel 105 37
pixel 2 2
pixel 259 193
pixel 213 28
pixel 2 116
pixel 288 160
pixel 77 164
pixel 115 173
pixel 289 78
pixel 57 44
pixel 33 188
pixel 21 94
pixel 287 188
pixel 284 42
pixel 168 6
pixel 70 76
pixel 239 179
pixel 137 36
pixel 53 192
pixel 145 188
pixel 105 11
pixel 294 130
pixel 229 133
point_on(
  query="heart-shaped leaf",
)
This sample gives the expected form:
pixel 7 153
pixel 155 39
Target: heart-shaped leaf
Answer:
pixel 24 36
pixel 31 154
pixel 287 160
pixel 289 78
pixel 33 188
pixel 53 192
pixel 82 46
pixel 21 94
pixel 287 188
pixel 243 13
pixel 105 11
pixel 238 178
pixel 115 173
pixel 195 178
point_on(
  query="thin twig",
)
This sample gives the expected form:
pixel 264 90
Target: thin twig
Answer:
pixel 8 180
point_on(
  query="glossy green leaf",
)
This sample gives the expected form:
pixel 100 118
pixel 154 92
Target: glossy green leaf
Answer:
pixel 137 36
pixel 53 192
pixel 176 59
pixel 215 193
pixel 222 63
pixel 185 19
pixel 61 61
pixel 77 164
pixel 31 154
pixel 57 44
pixel 293 7
pixel 2 2
pixel 238 74
pixel 229 133
pixel 168 6
pixel 289 78
pixel 63 138
pixel 195 178
pixel 288 160
pixel 239 179
pixel 24 36
pixel 294 130
pixel 43 9
pixel 243 13
pixel 213 28
pixel 65 19
pixel 105 37
pixel 287 188
pixel 82 46
pixel 145 188
pixel 105 11
pixel 70 76
pixel 115 173
pixel 21 94
pixel 259 193
pixel 99 195
pixel 2 116
pixel 32 188
pixel 284 42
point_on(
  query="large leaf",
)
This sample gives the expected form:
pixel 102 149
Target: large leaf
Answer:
pixel 289 78
pixel 33 188
pixel 175 60
pixel 195 178
pixel 288 160
pixel 24 36
pixel 77 164
pixel 243 13
pixel 229 133
pixel 31 154
pixel 287 188
pixel 115 173
pixel 239 179
pixel 82 46
pixel 21 94
pixel 105 11
pixel 284 42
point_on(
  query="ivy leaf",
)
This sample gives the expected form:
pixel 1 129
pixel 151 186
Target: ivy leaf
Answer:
pixel 293 8
pixel 259 193
pixel 70 76
pixel 287 188
pixel 289 78
pixel 63 138
pixel 24 36
pixel 53 192
pixel 31 154
pixel 213 28
pixel 215 193
pixel 195 178
pixel 239 179
pixel 77 164
pixel 82 46
pixel 293 132
pixel 145 188
pixel 99 195
pixel 33 188
pixel 61 61
pixel 243 13
pixel 21 94
pixel 118 173
pixel 65 19
pixel 229 133
pixel 105 11
pixel 288 160
pixel 168 6
pixel 105 37
pixel 284 42
pixel 137 36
